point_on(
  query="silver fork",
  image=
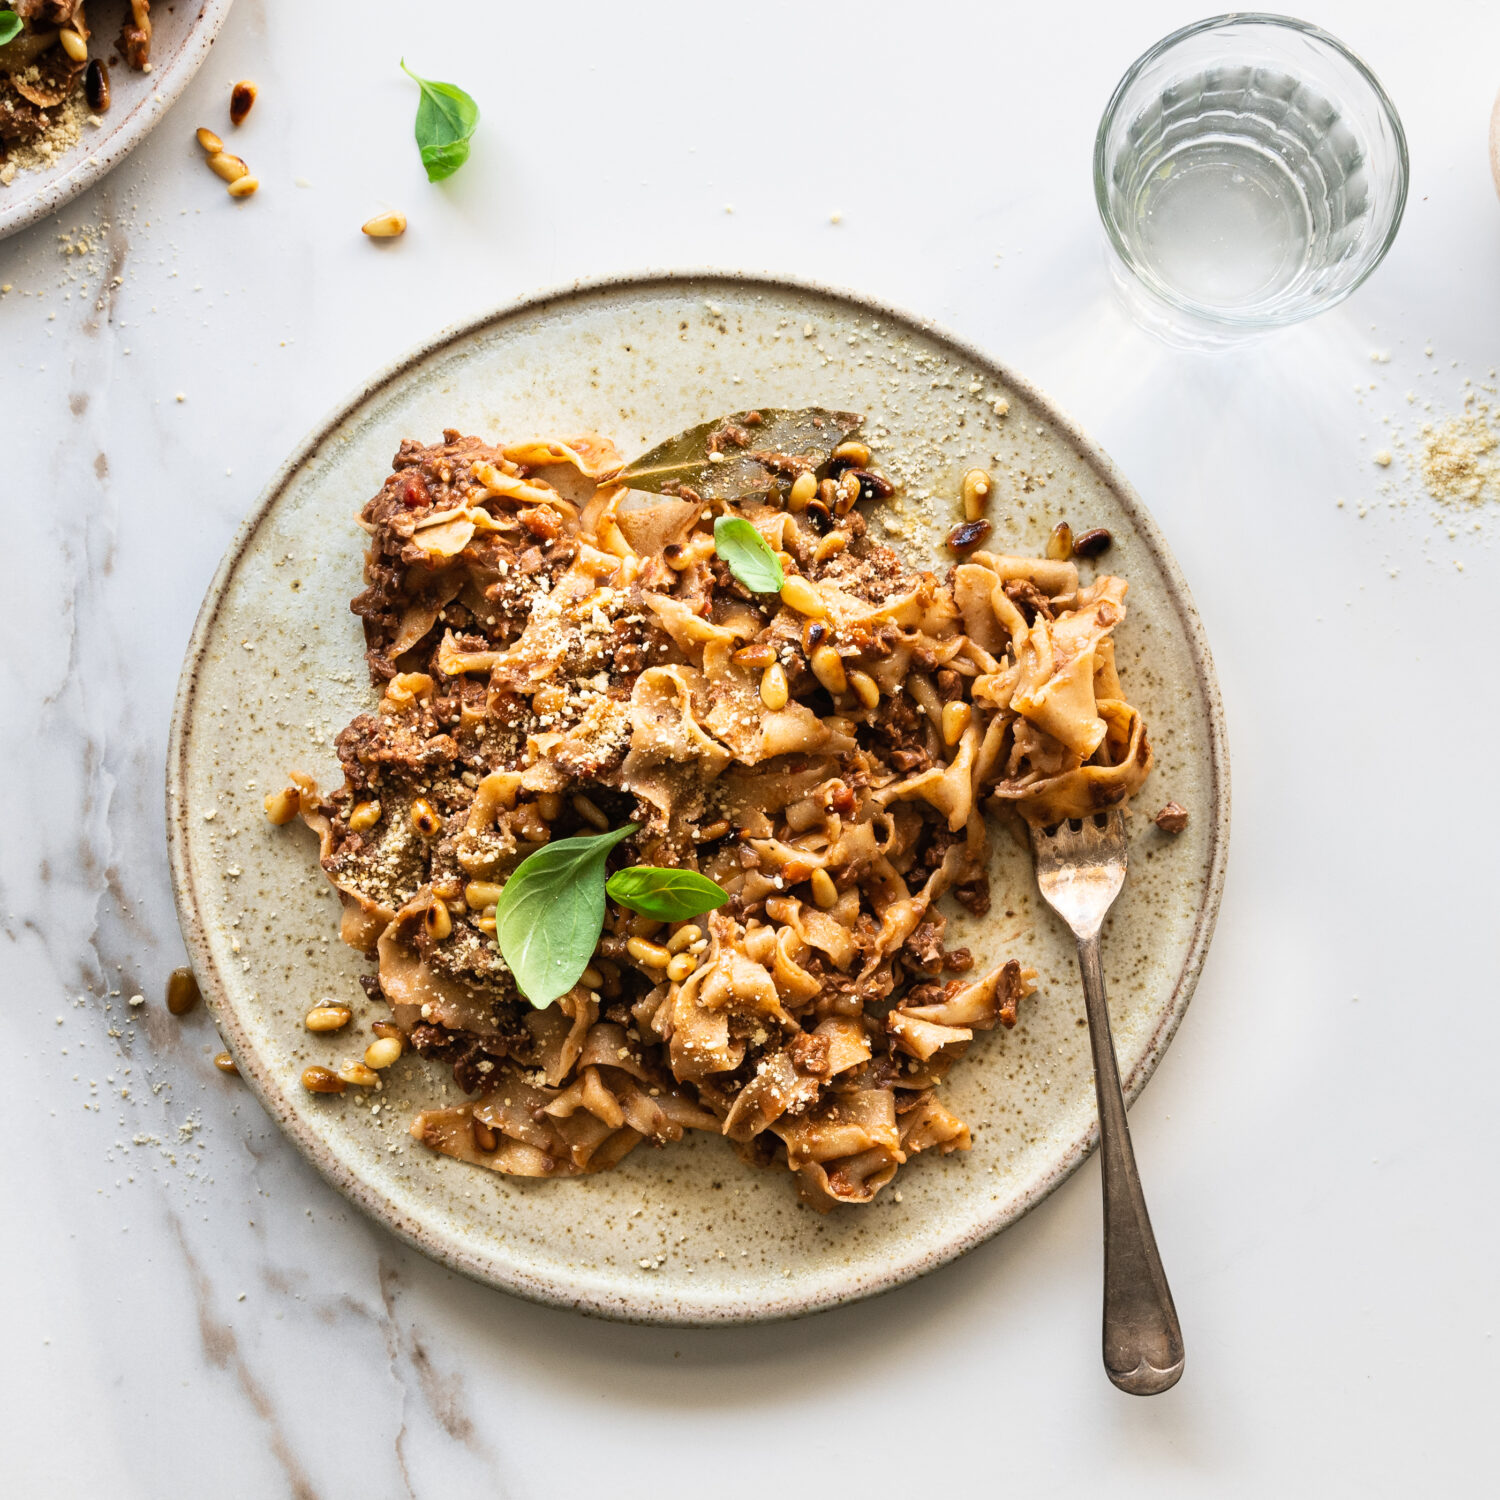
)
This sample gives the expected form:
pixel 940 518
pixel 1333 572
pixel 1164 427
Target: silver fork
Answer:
pixel 1080 872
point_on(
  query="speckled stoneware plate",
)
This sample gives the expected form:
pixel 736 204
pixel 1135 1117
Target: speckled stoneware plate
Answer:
pixel 687 1234
pixel 181 35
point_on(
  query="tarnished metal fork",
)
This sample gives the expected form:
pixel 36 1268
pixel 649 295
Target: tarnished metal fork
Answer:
pixel 1080 871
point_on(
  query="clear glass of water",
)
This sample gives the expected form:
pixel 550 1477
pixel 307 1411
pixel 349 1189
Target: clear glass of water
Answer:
pixel 1250 172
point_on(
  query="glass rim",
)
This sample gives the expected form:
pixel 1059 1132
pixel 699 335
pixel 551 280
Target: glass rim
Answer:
pixel 1160 49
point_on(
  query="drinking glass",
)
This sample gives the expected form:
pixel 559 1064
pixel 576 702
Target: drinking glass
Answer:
pixel 1250 172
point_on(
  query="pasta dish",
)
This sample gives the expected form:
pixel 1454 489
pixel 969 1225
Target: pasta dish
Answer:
pixel 701 681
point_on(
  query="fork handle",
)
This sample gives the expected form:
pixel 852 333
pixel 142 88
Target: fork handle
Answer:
pixel 1142 1339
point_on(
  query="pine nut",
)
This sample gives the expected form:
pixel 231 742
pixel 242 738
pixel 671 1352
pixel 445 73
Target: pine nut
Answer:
pixel 96 86
pixel 681 966
pixel 848 492
pixel 833 543
pixel 318 1080
pixel 684 937
pixel 364 816
pixel 484 1137
pixel 242 187
pixel 385 1028
pixel 804 487
pixel 423 818
pixel 241 99
pixel 824 891
pixel 230 168
pixel 591 978
pixel 281 807
pixel 487 923
pixel 73 44
pixel 182 992
pixel 652 955
pixel 482 893
pixel 956 716
pixel 773 688
pixel 225 1063
pixel 385 226
pixel 977 487
pixel 678 558
pixel 328 1018
pixel 715 830
pixel 797 593
pixel 814 634
pixel 437 921
pixel 1060 543
pixel 761 654
pixel 209 141
pixel 853 453
pixel 828 668
pixel 590 812
pixel 382 1052
pixel 358 1074
pixel 865 688
pixel 1092 543
pixel 549 806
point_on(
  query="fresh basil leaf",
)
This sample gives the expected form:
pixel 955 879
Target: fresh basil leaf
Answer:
pixel 748 556
pixel 667 895
pixel 446 117
pixel 705 460
pixel 551 912
pixel 10 26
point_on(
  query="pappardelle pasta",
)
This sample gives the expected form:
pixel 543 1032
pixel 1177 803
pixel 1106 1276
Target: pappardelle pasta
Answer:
pixel 560 655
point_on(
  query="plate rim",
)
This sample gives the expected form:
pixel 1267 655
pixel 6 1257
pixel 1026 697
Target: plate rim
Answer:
pixel 553 1290
pixel 53 193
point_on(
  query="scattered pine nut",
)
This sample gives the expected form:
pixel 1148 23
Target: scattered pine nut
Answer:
pixel 225 1063
pixel 241 99
pixel 230 168
pixel 209 141
pixel 242 187
pixel 182 992
pixel 385 226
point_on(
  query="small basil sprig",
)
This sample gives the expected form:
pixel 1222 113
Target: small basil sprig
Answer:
pixel 446 118
pixel 748 556
pixel 667 895
pixel 10 26
pixel 551 912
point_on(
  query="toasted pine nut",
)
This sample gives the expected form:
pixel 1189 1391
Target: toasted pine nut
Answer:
pixel 73 44
pixel 385 226
pixel 824 891
pixel 761 654
pixel 591 978
pixel 866 688
pixel 484 1137
pixel 328 1018
pixel 977 487
pixel 318 1080
pixel 230 168
pixel 828 668
pixel 956 716
pixel 386 1028
pixel 590 811
pixel 848 492
pixel 486 924
pixel 715 830
pixel 854 453
pixel 382 1052
pixel 681 966
pixel 549 806
pixel 653 955
pixel 684 937
pixel 182 991
pixel 242 187
pixel 640 925
pixel 225 1063
pixel 281 807
pixel 834 542
pixel 364 816
pixel 814 634
pixel 209 141
pixel 679 559
pixel 804 487
pixel 437 921
pixel 797 593
pixel 1060 543
pixel 423 818
pixel 773 688
pixel 241 98
pixel 482 893
pixel 357 1073
pixel 1092 543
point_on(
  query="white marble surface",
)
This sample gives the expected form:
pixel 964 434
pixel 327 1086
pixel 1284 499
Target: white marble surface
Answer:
pixel 190 1311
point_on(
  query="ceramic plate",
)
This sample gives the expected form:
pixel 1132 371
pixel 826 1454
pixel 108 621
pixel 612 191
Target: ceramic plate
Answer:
pixel 181 35
pixel 685 1234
